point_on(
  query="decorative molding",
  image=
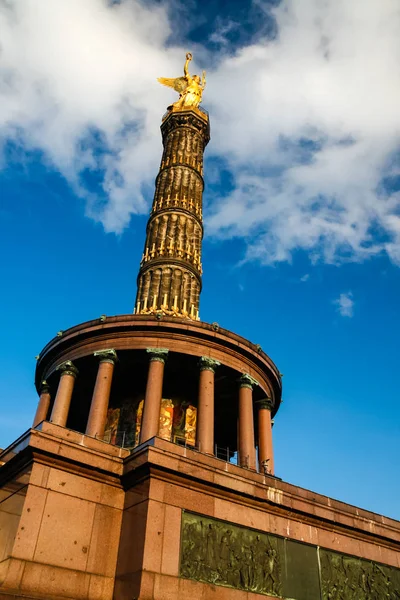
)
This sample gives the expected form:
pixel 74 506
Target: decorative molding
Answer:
pixel 198 122
pixel 158 354
pixel 246 380
pixel 208 364
pixel 109 355
pixel 67 368
pixel 44 387
pixel 267 403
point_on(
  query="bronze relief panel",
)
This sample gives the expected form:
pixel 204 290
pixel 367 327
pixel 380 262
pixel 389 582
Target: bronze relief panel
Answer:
pixel 221 553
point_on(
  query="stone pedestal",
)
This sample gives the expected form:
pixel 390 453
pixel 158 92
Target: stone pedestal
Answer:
pixel 66 541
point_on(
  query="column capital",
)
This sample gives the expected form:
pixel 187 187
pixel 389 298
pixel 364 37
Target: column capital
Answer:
pixel 67 368
pixel 44 387
pixel 158 354
pixel 109 355
pixel 246 380
pixel 208 364
pixel 265 403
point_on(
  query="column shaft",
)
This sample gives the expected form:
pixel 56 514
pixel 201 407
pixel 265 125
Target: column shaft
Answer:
pixel 59 414
pixel 205 424
pixel 152 401
pixel 43 407
pixel 247 455
pixel 101 396
pixel 265 448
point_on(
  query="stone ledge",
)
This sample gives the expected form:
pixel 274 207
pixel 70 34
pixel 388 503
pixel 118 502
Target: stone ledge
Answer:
pixel 210 475
pixel 68 450
pixel 19 577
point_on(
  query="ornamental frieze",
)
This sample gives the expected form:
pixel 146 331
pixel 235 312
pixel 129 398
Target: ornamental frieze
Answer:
pixel 223 554
pixel 220 553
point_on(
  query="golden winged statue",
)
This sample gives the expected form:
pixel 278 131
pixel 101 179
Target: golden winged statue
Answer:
pixel 190 88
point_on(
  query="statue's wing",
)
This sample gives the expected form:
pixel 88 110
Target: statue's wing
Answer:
pixel 179 84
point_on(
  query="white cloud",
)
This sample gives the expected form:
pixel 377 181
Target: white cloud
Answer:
pixel 305 277
pixel 345 304
pixel 307 123
pixel 73 70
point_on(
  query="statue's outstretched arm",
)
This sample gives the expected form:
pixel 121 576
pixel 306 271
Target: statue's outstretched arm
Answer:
pixel 186 67
pixel 203 83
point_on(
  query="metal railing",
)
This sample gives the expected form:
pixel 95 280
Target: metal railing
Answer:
pixel 127 439
pixel 123 439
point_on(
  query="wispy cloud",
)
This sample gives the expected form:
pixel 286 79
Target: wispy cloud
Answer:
pixel 220 36
pixel 307 123
pixel 78 82
pixel 305 277
pixel 345 304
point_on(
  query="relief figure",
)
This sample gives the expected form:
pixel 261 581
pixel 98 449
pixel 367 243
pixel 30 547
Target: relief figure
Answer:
pixel 225 554
pixel 348 578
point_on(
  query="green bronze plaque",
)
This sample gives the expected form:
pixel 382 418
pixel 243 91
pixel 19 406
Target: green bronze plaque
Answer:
pixel 349 578
pixel 301 574
pixel 224 554
pixel 221 553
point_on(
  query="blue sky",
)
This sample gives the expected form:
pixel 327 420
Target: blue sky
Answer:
pixel 301 250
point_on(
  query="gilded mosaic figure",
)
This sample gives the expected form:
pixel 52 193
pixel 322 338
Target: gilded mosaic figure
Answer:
pixel 190 425
pixel 166 418
pixel 111 428
pixel 138 425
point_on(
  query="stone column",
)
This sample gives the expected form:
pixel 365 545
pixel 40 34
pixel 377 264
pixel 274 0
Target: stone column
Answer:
pixel 59 414
pixel 101 394
pixel 43 405
pixel 152 399
pixel 205 415
pixel 247 453
pixel 265 449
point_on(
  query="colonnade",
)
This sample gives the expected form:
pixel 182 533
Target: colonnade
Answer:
pixel 152 404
